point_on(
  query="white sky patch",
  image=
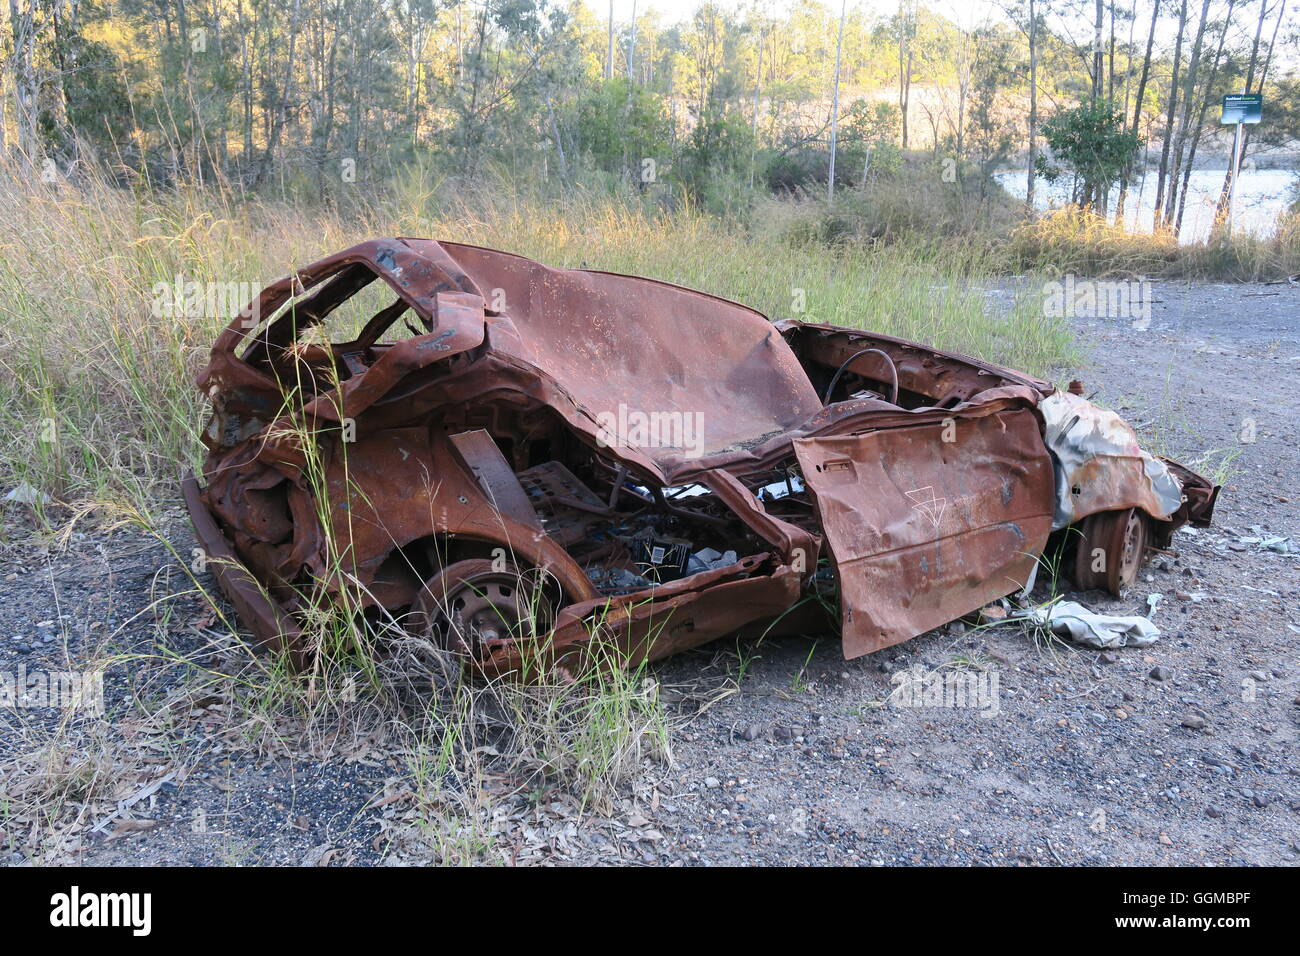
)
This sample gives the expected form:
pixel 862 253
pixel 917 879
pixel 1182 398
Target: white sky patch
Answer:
pixel 967 13
pixel 1067 23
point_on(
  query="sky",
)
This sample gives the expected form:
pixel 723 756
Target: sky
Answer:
pixel 965 12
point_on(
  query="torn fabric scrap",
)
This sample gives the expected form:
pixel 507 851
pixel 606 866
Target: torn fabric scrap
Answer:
pixel 1104 631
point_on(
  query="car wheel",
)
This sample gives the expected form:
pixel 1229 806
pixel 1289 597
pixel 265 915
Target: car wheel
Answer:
pixel 472 607
pixel 1111 547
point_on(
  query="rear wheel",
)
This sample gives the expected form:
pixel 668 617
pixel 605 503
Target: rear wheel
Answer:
pixel 1112 545
pixel 474 606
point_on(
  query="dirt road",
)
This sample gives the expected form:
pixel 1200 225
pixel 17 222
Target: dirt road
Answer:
pixel 1181 752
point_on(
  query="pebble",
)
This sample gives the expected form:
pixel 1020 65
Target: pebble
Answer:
pixel 713 783
pixel 1161 673
pixel 1194 722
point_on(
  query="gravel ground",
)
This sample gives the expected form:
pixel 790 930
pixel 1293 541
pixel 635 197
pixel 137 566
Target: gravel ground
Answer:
pixel 1179 752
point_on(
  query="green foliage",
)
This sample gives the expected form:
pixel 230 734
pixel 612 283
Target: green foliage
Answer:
pixel 866 144
pixel 331 100
pixel 96 93
pixel 718 149
pixel 1090 141
pixel 620 124
pixel 794 169
pixel 874 124
pixel 906 196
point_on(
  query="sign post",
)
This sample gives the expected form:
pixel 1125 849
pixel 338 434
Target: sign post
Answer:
pixel 1239 109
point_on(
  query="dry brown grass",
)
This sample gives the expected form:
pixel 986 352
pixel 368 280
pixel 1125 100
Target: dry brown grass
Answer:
pixel 1080 242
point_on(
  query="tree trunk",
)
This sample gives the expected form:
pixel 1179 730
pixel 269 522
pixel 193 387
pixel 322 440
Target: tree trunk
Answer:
pixel 1189 89
pixel 23 25
pixel 1221 207
pixel 246 65
pixel 282 107
pixel 559 144
pixel 1200 118
pixel 1033 109
pixel 58 114
pixel 1128 67
pixel 631 46
pixel 1137 108
pixel 1110 55
pixel 1163 172
pixel 835 103
pixel 1098 48
pixel 758 90
pixel 905 24
pixel 609 56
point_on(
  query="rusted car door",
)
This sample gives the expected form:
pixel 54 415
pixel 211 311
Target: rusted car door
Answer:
pixel 928 522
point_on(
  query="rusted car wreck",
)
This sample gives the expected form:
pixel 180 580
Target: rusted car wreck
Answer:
pixel 505 453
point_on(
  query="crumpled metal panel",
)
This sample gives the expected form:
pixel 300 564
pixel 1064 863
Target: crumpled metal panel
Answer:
pixel 1099 464
pixel 674 617
pixel 613 341
pixel 924 530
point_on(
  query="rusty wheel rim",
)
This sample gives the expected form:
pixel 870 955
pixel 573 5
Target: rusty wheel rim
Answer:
pixel 471 608
pixel 1129 546
pixel 1121 536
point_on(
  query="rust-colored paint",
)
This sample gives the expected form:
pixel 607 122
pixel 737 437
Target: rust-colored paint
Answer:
pixel 924 530
pixel 491 411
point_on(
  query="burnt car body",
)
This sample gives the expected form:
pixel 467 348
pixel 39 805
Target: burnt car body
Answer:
pixel 499 418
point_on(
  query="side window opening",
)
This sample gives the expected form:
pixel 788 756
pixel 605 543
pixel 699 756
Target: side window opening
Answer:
pixel 333 330
pixel 354 315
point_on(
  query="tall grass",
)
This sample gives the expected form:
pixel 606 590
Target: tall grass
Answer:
pixel 1078 241
pixel 976 226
